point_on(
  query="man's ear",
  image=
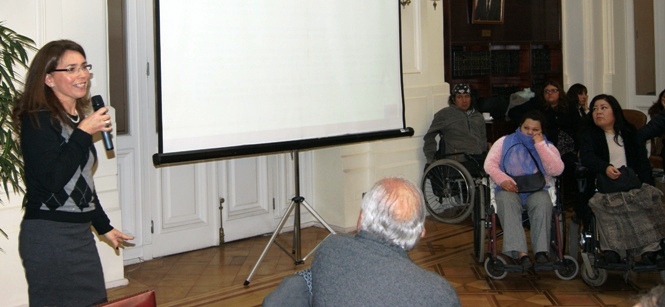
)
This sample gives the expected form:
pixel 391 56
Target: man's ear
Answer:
pixel 360 218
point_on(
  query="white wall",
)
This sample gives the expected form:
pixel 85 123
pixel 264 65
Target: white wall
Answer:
pixel 83 21
pixel 598 46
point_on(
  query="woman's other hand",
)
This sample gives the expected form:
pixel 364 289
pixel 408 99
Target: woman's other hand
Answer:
pixel 612 172
pixel 509 185
pixel 117 237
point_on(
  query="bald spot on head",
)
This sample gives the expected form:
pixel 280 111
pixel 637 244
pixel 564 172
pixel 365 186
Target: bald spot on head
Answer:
pixel 401 199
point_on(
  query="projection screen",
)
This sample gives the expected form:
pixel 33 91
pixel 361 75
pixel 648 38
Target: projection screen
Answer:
pixel 248 77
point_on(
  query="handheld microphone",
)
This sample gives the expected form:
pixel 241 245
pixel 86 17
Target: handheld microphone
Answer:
pixel 98 103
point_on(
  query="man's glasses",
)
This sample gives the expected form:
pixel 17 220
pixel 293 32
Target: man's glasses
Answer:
pixel 552 91
pixel 75 69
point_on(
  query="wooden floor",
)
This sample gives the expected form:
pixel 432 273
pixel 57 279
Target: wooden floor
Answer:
pixel 214 276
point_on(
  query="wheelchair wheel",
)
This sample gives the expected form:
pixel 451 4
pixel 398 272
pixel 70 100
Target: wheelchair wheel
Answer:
pixel 495 267
pixel 449 191
pixel 596 278
pixel 570 269
pixel 479 217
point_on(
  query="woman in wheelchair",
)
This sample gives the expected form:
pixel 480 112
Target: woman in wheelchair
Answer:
pixel 522 164
pixel 625 220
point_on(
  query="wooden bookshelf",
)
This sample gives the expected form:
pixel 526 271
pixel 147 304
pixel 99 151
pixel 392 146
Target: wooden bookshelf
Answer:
pixel 500 59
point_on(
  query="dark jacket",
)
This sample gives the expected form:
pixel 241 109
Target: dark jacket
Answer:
pixel 595 154
pixel 654 128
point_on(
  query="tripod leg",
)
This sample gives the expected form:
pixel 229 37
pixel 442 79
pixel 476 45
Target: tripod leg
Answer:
pixel 272 239
pixel 296 230
pixel 317 217
pixel 320 219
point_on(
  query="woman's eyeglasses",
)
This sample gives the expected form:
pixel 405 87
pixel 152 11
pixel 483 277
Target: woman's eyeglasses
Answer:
pixel 551 91
pixel 75 69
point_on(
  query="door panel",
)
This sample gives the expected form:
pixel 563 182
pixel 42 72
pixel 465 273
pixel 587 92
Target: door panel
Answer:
pixel 187 217
pixel 246 187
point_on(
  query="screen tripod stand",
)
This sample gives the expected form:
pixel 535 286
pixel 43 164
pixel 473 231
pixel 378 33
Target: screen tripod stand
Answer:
pixel 296 202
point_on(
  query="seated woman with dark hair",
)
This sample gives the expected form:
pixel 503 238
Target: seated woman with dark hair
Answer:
pixel 524 152
pixel 609 142
pixel 578 97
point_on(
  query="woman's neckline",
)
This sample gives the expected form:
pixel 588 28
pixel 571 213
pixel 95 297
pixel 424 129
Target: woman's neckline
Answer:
pixel 74 118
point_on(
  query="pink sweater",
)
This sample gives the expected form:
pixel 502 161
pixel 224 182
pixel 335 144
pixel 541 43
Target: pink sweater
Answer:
pixel 548 153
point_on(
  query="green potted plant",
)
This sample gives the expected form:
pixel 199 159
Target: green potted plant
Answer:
pixel 13 54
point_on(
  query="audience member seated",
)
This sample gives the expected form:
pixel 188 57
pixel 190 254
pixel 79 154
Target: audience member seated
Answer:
pixel 656 128
pixel 609 142
pixel 461 129
pixel 578 96
pixel 524 152
pixel 562 124
pixel 372 267
pixel 658 105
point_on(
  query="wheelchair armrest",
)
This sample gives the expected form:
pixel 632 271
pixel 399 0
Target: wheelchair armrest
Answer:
pixel 443 156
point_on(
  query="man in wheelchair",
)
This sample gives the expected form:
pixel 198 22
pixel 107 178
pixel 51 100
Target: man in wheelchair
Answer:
pixel 461 130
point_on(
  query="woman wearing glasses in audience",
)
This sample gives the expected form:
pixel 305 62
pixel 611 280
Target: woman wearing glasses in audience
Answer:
pixel 56 245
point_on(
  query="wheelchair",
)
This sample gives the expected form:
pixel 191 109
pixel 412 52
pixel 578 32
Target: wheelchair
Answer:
pixel 595 268
pixel 485 227
pixel 450 190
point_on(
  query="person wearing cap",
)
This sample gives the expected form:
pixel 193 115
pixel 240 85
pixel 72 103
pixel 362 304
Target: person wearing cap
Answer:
pixel 461 130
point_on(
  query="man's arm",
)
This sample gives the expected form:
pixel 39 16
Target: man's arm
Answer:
pixel 430 144
pixel 655 127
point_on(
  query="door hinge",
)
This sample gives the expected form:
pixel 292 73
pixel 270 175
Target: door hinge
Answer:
pixel 147 69
pixel 221 220
pixel 152 226
pixel 273 203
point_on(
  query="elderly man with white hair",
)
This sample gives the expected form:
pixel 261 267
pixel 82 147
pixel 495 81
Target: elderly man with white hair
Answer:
pixel 372 267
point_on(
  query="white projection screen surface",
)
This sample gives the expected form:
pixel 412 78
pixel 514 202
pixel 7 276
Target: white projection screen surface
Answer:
pixel 247 77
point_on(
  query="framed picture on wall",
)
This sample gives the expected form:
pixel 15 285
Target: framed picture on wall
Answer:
pixel 487 12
